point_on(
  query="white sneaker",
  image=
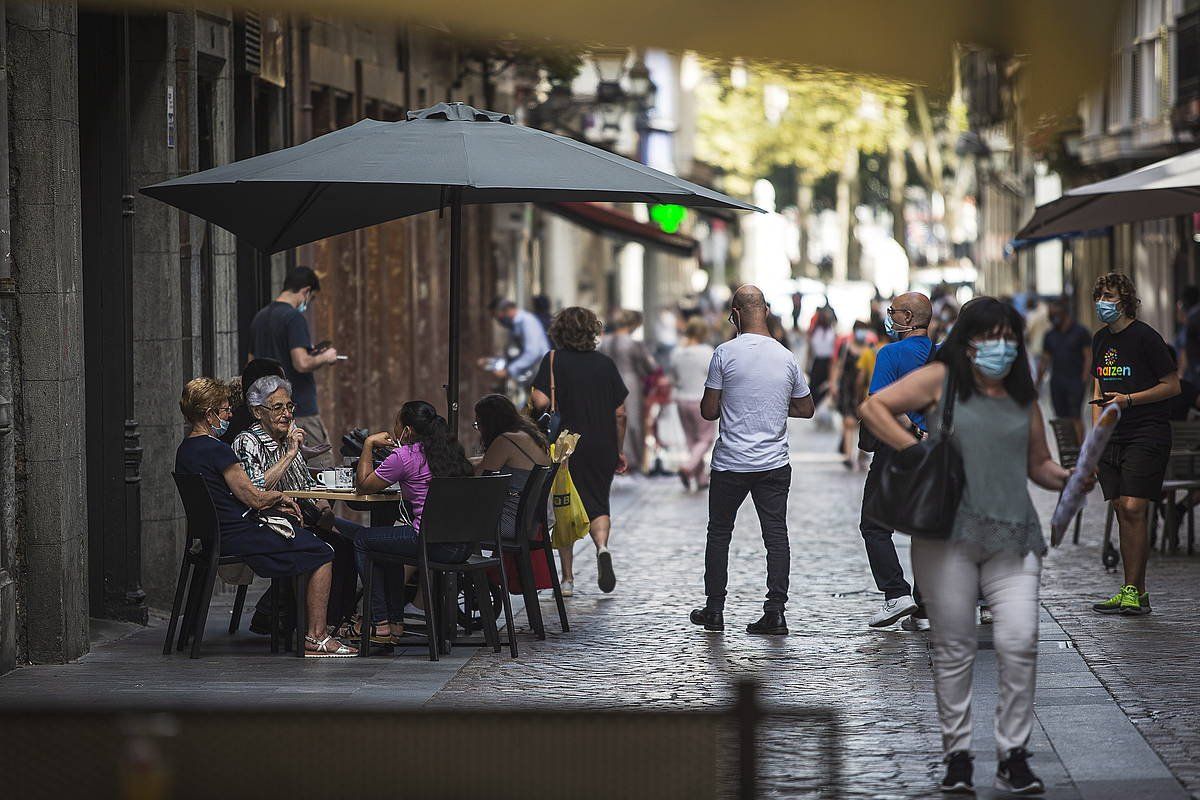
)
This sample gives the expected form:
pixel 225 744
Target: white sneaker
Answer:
pixel 892 610
pixel 412 612
pixel 567 588
pixel 913 623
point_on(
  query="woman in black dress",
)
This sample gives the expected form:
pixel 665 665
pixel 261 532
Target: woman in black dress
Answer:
pixel 590 396
pixel 205 404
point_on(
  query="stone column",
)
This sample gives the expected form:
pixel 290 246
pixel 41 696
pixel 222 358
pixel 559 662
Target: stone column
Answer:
pixel 44 140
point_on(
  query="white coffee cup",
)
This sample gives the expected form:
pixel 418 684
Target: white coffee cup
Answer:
pixel 339 478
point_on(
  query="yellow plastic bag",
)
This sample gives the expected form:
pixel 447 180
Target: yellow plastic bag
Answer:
pixel 571 521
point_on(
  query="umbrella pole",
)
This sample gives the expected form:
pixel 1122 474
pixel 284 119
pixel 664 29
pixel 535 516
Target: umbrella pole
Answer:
pixel 455 308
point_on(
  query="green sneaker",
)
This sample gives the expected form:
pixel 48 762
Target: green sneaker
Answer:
pixel 1141 609
pixel 1127 597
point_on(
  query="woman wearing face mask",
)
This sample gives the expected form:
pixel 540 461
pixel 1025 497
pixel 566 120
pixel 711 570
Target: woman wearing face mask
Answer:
pixel 425 449
pixel 1134 369
pixel 996 544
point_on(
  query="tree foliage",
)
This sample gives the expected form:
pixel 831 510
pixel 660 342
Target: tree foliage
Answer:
pixel 778 116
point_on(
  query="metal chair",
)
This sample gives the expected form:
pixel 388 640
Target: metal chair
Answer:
pixel 198 573
pixel 457 511
pixel 532 535
pixel 1069 445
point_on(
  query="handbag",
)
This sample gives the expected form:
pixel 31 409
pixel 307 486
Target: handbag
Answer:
pixel 551 421
pixel 920 487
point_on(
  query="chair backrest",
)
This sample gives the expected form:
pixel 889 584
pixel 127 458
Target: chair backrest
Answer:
pixel 201 513
pixel 536 489
pixel 464 510
pixel 1185 435
pixel 1067 441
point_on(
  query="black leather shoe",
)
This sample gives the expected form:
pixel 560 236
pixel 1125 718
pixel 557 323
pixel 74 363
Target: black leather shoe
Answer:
pixel 711 620
pixel 771 624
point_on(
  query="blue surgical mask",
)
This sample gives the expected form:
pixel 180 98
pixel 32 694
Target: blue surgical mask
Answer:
pixel 890 326
pixel 303 306
pixel 994 358
pixel 1108 311
pixel 221 427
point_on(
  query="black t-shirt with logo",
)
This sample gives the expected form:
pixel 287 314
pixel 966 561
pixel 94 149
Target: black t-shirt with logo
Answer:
pixel 1132 361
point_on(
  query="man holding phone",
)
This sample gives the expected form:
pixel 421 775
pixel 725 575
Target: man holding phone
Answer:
pixel 280 331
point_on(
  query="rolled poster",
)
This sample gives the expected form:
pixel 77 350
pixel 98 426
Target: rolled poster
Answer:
pixel 1073 496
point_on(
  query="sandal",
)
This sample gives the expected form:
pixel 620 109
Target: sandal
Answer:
pixel 325 650
pixel 354 633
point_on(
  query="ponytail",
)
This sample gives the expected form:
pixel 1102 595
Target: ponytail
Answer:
pixel 443 452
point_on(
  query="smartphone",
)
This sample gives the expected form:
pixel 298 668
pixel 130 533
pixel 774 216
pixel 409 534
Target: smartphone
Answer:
pixel 1099 402
pixel 320 347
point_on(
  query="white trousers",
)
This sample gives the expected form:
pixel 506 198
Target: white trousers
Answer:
pixel 951 575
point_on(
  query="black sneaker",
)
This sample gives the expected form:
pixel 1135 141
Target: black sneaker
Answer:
pixel 1014 775
pixel 959 773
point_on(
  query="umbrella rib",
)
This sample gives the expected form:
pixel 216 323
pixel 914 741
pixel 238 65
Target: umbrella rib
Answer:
pixel 304 206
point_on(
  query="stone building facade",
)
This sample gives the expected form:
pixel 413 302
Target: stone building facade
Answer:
pixel 110 301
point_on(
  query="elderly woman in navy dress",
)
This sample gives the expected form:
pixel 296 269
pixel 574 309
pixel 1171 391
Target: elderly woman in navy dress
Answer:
pixel 205 405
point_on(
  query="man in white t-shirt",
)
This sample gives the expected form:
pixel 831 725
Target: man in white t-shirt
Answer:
pixel 754 384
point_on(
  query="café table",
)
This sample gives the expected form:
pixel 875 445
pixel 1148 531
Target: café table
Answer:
pixel 383 506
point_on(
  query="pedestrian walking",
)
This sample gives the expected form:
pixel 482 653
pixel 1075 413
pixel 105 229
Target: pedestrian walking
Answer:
pixel 754 384
pixel 995 544
pixel 527 342
pixel 1134 369
pixel 280 331
pixel 1067 359
pixel 907 324
pixel 821 339
pixel 635 364
pixel 689 370
pixel 845 381
pixel 586 389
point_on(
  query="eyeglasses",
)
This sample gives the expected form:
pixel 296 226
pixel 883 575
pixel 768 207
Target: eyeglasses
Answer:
pixel 279 408
pixel 222 411
pixel 894 311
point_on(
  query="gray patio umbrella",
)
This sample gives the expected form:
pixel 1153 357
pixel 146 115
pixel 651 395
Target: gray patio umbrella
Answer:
pixel 1167 188
pixel 448 155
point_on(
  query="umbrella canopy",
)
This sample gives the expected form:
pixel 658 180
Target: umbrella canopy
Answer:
pixel 1168 188
pixel 447 155
pixel 373 171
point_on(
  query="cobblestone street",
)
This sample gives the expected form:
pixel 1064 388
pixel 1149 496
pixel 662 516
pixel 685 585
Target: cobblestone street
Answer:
pixel 1116 699
pixel 636 648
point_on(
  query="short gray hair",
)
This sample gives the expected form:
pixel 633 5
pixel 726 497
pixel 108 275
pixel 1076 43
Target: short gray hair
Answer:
pixel 263 388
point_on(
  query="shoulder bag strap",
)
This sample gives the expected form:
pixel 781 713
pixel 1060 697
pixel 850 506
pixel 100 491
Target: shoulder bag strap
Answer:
pixel 553 394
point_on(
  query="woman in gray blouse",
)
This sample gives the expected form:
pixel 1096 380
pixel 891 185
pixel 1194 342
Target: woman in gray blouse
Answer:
pixel 996 544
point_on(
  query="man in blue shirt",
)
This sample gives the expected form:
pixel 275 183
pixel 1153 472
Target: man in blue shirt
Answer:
pixel 527 337
pixel 907 322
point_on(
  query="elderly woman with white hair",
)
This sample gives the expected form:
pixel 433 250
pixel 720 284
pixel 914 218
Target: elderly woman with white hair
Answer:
pixel 270 452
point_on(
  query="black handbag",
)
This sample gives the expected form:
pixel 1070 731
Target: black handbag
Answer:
pixel 920 487
pixel 551 421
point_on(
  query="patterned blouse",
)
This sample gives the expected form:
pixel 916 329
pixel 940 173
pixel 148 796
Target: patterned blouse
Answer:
pixel 258 451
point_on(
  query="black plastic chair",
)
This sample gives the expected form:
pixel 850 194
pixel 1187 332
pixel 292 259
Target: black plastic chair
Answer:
pixel 531 519
pixel 457 511
pixel 1068 455
pixel 198 573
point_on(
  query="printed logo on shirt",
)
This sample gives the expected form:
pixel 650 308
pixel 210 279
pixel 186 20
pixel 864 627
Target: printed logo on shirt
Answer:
pixel 1110 368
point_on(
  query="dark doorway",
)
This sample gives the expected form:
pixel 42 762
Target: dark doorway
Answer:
pixel 106 198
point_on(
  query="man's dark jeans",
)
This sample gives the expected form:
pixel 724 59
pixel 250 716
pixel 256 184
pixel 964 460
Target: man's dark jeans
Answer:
pixel 881 552
pixel 726 492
